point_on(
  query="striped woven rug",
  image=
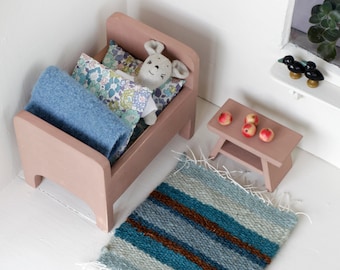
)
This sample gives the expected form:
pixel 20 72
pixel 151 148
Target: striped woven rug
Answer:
pixel 196 219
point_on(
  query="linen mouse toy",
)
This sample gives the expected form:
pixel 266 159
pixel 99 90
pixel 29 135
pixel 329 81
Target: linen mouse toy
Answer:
pixel 155 71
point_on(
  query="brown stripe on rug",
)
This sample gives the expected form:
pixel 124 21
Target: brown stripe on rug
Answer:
pixel 169 244
pixel 206 223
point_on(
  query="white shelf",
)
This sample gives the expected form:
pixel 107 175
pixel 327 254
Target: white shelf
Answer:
pixel 326 92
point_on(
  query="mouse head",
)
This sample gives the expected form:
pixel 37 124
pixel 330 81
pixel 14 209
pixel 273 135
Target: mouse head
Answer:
pixel 157 69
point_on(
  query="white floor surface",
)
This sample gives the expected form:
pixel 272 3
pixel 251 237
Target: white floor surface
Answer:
pixel 48 228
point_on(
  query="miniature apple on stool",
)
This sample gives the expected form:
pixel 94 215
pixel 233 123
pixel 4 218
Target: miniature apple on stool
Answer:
pixel 248 130
pixel 252 118
pixel 225 118
pixel 266 134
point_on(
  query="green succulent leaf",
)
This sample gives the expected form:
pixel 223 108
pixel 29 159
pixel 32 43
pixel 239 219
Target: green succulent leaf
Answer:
pixel 315 10
pixel 332 24
pixel 315 34
pixel 331 35
pixel 335 15
pixel 326 7
pixel 314 19
pixel 324 23
pixel 334 2
pixel 327 51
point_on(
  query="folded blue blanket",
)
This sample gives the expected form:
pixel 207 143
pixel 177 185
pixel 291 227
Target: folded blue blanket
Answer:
pixel 61 101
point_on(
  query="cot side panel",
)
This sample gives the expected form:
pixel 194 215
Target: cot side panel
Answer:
pixel 46 151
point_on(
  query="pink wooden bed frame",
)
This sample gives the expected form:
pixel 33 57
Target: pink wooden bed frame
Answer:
pixel 46 151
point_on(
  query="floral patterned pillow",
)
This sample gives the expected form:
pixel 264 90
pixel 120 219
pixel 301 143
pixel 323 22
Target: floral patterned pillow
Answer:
pixel 117 58
pixel 122 96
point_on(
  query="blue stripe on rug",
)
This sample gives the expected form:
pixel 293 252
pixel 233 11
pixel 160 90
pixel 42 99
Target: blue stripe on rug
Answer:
pixel 154 248
pixel 199 241
pixel 224 221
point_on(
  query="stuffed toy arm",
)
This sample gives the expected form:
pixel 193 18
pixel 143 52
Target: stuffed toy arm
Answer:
pixel 149 113
pixel 150 119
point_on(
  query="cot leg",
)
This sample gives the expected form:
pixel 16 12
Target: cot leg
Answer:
pixel 32 179
pixel 189 128
pixel 104 217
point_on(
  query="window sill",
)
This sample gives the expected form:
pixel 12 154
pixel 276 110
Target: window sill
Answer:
pixel 326 92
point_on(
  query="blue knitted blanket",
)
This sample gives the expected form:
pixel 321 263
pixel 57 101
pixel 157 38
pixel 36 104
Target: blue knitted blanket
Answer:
pixel 61 101
pixel 196 219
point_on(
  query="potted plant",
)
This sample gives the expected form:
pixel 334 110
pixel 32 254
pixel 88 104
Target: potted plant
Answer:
pixel 325 29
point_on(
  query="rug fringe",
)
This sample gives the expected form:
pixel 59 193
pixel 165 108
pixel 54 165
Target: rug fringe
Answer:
pixel 282 201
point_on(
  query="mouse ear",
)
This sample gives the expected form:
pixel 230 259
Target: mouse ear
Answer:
pixel 179 70
pixel 153 46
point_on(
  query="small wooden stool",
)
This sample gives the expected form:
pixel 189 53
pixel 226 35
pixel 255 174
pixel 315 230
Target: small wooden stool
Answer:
pixel 272 160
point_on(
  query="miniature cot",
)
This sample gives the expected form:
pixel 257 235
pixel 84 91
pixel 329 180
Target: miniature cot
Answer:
pixel 47 151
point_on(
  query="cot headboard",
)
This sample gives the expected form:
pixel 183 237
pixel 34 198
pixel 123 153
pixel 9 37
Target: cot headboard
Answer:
pixel 131 35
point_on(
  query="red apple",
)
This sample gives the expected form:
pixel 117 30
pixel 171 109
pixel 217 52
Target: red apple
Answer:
pixel 266 134
pixel 252 118
pixel 225 118
pixel 248 130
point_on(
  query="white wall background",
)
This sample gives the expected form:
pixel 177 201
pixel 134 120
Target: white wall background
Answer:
pixel 238 42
